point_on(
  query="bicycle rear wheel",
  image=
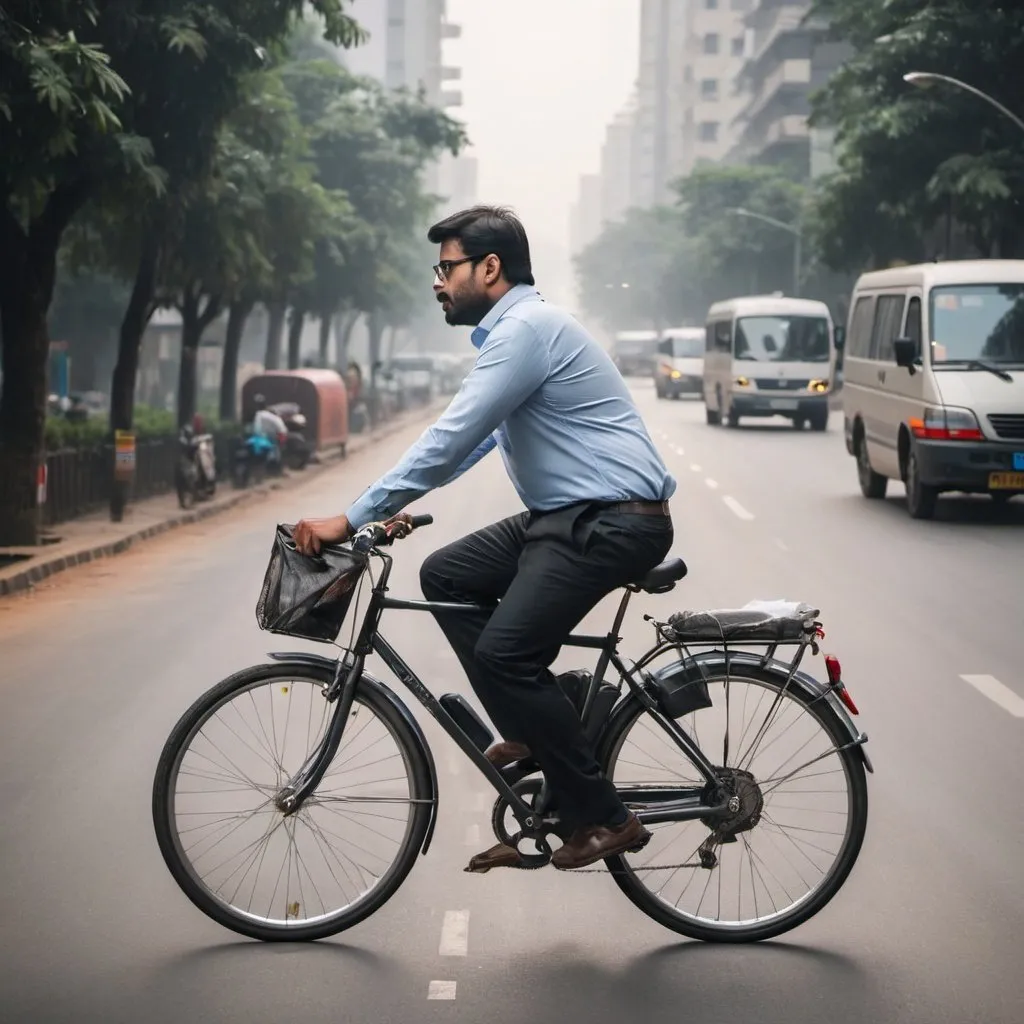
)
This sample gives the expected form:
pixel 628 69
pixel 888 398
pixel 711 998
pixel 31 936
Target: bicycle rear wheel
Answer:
pixel 311 874
pixel 805 803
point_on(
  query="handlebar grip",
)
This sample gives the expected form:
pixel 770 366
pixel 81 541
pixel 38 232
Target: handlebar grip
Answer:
pixel 423 520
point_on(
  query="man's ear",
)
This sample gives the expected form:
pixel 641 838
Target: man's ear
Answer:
pixel 492 269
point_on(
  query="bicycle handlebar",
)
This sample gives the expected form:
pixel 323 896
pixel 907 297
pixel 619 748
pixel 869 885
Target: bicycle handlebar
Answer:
pixel 374 534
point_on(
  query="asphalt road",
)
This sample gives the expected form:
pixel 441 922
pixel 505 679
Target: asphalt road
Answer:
pixel 97 665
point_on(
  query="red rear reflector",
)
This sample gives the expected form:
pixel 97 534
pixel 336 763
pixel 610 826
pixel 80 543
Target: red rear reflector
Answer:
pixel 835 670
pixel 835 677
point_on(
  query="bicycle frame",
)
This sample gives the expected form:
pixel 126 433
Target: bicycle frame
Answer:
pixel 682 804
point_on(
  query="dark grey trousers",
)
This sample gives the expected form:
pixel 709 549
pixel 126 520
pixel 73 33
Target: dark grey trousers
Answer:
pixel 538 575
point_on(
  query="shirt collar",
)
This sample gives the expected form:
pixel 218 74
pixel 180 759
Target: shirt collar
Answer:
pixel 515 294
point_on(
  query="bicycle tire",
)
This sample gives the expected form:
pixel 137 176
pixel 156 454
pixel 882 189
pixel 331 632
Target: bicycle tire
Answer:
pixel 611 742
pixel 383 704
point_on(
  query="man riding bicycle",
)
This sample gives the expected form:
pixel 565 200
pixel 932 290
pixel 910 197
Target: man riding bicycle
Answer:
pixel 548 397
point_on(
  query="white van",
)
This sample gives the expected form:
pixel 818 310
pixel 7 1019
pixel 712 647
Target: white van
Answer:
pixel 679 367
pixel 766 355
pixel 934 380
pixel 633 352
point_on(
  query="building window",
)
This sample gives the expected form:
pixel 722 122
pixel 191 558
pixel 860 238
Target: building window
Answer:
pixel 708 131
pixel 711 43
pixel 738 47
pixel 709 89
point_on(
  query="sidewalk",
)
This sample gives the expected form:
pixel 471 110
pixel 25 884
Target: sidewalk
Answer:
pixel 95 536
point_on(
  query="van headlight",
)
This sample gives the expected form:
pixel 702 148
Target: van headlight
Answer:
pixel 742 382
pixel 818 387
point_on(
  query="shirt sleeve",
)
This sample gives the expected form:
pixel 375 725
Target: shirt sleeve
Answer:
pixel 512 365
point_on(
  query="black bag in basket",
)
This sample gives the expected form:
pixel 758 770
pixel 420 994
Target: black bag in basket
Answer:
pixel 307 596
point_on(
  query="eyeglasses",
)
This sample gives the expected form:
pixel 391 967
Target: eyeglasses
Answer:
pixel 444 268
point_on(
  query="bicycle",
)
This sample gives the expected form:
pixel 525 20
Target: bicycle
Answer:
pixel 342 762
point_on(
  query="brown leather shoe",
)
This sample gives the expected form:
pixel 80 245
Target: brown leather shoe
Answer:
pixel 589 845
pixel 501 755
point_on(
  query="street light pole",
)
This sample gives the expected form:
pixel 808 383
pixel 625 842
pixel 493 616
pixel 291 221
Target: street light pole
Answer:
pixel 739 211
pixel 924 79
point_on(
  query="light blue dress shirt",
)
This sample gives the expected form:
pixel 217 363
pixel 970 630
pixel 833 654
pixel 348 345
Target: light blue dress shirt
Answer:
pixel 546 394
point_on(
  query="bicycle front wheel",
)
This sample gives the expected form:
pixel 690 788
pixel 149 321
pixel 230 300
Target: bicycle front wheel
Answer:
pixel 800 821
pixel 316 872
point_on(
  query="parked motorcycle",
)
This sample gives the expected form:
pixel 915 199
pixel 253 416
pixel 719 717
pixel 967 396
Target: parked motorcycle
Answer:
pixel 255 456
pixel 195 475
pixel 296 450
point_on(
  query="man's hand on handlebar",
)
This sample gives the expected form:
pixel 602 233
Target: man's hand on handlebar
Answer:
pixel 311 534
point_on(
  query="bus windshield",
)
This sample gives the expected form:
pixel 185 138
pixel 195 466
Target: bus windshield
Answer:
pixel 778 339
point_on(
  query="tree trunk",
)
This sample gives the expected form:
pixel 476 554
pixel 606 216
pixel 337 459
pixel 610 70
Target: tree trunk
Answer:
pixel 137 315
pixel 325 337
pixel 295 321
pixel 343 327
pixel 275 327
pixel 375 327
pixel 237 316
pixel 195 318
pixel 28 269
pixel 122 386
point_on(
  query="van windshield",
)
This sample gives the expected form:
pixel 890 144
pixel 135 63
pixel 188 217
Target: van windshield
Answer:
pixel 782 339
pixel 688 348
pixel 977 321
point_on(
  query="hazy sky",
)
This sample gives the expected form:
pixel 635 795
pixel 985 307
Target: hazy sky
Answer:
pixel 540 81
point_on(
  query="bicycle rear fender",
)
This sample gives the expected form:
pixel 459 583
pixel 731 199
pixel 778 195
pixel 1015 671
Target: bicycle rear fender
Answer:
pixel 389 695
pixel 694 669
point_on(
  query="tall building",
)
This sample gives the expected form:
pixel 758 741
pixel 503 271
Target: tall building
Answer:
pixel 585 221
pixel 617 166
pixel 658 136
pixel 789 58
pixel 713 56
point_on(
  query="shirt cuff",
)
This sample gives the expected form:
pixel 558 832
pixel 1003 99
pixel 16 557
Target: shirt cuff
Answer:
pixel 364 511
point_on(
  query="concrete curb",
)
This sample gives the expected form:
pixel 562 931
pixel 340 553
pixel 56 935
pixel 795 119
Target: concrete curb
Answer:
pixel 26 578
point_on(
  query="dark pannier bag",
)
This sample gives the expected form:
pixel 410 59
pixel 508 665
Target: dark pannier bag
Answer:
pixel 308 596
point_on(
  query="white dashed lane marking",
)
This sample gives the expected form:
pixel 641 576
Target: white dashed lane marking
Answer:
pixel 695 467
pixel 454 933
pixel 441 990
pixel 713 484
pixel 998 693
pixel 736 508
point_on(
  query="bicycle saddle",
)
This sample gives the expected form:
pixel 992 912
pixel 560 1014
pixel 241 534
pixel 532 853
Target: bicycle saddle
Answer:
pixel 662 578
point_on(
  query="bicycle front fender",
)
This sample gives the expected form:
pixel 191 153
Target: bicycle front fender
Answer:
pixel 389 695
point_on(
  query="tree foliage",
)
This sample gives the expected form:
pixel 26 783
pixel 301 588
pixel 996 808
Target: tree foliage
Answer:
pixel 913 164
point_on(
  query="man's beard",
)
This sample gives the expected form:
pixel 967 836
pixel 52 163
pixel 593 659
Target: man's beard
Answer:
pixel 465 312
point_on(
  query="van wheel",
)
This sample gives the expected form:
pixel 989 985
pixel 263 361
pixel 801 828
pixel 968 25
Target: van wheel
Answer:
pixel 921 498
pixel 872 484
pixel 819 420
pixel 711 416
pixel 799 422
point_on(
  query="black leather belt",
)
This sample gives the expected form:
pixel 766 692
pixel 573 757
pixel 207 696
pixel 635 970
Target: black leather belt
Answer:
pixel 640 508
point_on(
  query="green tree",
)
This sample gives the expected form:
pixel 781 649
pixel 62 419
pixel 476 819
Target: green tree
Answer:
pixel 640 272
pixel 736 254
pixel 913 164
pixel 90 93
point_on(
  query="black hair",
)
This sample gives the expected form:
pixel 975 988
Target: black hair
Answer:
pixel 483 230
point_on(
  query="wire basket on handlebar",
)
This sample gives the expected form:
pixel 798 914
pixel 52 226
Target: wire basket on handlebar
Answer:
pixel 308 596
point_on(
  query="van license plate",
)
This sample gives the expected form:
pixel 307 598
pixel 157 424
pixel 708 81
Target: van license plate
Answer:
pixel 785 403
pixel 1006 481
pixel 1018 460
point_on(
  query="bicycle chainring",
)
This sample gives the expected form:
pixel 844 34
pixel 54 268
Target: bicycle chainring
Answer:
pixel 527 790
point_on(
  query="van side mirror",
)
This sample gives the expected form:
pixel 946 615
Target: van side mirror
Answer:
pixel 839 337
pixel 905 350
